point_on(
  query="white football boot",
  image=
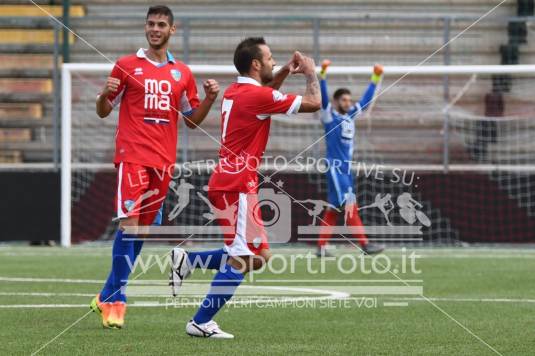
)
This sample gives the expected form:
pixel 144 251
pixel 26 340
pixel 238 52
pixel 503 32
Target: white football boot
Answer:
pixel 209 329
pixel 180 269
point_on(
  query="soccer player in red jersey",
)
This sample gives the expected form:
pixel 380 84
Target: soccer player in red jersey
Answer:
pixel 154 91
pixel 245 121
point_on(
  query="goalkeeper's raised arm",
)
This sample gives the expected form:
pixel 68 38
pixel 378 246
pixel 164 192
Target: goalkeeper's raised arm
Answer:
pixel 323 84
pixel 365 102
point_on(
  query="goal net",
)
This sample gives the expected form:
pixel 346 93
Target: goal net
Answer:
pixel 443 155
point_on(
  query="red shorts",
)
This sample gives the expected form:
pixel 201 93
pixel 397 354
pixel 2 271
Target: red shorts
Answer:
pixel 141 191
pixel 241 213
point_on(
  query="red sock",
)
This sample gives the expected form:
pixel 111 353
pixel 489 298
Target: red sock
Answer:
pixel 327 221
pixel 354 220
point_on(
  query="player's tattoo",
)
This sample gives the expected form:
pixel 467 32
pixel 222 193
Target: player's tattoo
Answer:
pixel 313 86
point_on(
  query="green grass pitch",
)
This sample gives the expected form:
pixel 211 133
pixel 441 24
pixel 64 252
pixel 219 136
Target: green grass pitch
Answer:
pixel 490 291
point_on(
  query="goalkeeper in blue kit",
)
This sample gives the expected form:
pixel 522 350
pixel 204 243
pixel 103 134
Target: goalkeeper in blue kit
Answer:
pixel 338 120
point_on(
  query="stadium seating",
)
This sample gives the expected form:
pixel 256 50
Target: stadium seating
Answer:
pixel 26 86
pixel 115 29
pixel 347 41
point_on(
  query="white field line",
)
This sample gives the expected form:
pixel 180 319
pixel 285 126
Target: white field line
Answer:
pixel 257 301
pixel 334 295
pixel 395 304
pixel 468 300
pixel 50 280
pixel 45 294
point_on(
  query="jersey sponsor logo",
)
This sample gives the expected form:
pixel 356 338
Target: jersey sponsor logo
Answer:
pixel 278 96
pixel 157 94
pixel 156 120
pixel 176 74
pixel 348 130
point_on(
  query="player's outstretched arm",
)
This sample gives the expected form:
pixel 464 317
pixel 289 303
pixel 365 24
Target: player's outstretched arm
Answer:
pixel 367 98
pixel 104 107
pixel 311 101
pixel 323 84
pixel 211 89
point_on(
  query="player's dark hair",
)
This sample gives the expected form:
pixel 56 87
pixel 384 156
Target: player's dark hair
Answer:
pixel 161 10
pixel 247 50
pixel 339 92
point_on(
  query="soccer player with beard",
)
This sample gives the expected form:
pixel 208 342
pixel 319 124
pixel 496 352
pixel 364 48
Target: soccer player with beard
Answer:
pixel 245 121
pixel 155 91
pixel 338 120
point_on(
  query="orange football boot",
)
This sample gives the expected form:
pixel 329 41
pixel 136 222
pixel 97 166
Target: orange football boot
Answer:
pixel 116 317
pixel 103 309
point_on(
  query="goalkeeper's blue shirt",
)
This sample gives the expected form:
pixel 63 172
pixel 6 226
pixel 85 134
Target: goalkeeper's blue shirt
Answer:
pixel 340 128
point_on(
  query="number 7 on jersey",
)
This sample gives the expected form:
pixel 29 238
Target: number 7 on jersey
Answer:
pixel 226 106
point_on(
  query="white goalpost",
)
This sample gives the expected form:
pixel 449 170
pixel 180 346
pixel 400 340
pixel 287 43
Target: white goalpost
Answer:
pixel 438 112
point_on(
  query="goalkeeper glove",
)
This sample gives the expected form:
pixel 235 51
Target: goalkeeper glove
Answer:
pixel 324 65
pixel 377 73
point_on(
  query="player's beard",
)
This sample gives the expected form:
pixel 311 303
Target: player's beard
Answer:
pixel 341 111
pixel 266 74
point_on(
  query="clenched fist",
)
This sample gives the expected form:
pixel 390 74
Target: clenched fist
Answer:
pixel 324 65
pixel 304 64
pixel 211 89
pixel 293 62
pixel 112 84
pixel 377 73
pixel 378 69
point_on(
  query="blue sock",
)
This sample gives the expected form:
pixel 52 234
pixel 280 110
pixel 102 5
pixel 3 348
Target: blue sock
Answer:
pixel 120 268
pixel 138 244
pixel 223 287
pixel 208 259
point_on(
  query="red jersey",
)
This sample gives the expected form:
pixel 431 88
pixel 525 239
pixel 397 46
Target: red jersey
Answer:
pixel 151 96
pixel 246 112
